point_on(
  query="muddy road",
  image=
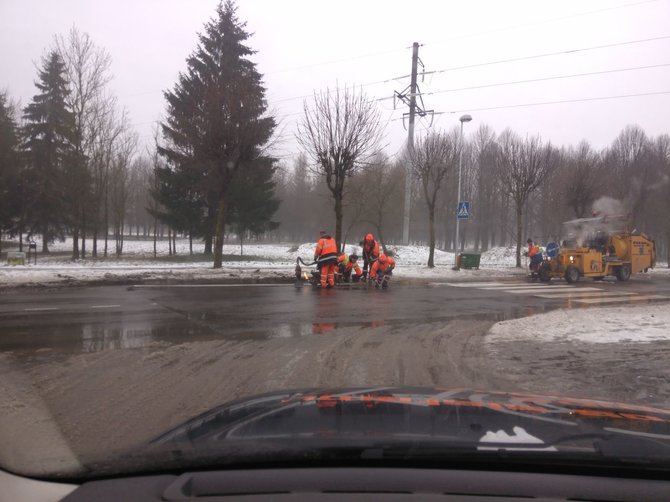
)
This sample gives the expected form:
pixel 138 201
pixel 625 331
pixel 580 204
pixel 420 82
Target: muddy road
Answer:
pixel 116 366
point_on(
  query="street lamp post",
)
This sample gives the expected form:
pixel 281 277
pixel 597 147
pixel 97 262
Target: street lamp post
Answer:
pixel 463 118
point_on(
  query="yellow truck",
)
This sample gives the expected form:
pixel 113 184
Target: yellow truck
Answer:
pixel 597 248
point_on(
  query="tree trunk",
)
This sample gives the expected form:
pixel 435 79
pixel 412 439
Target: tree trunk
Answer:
pixel 45 239
pixel 382 242
pixel 83 235
pixel 94 252
pixel 219 232
pixel 155 234
pixel 190 242
pixel 338 219
pixel 106 230
pixel 431 241
pixel 21 238
pixel 174 242
pixel 169 241
pixel 241 243
pixel 75 244
pixel 519 228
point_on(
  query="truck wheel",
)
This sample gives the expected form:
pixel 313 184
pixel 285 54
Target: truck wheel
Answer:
pixel 545 272
pixel 623 273
pixel 571 274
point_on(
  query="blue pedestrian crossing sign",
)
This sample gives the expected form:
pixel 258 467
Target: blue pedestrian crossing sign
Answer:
pixel 463 212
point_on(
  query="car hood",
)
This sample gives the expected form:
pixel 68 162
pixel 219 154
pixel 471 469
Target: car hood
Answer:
pixel 463 416
pixel 354 426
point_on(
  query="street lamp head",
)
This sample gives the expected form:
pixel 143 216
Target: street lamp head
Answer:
pixel 465 118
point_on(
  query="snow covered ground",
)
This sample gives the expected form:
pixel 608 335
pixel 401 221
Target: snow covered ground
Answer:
pixel 259 261
pixel 266 261
pixel 627 324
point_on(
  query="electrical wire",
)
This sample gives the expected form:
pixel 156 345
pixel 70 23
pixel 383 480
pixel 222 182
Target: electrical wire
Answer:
pixel 562 101
pixel 544 79
pixel 488 63
pixel 538 56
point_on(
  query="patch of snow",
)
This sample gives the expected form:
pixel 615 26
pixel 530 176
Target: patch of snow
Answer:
pixel 520 435
pixel 626 324
pixel 279 259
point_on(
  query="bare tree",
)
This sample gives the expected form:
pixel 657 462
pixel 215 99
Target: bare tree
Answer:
pixel 523 166
pixel 487 193
pixel 119 186
pixel 582 178
pixel 435 157
pixel 109 127
pixel 381 184
pixel 87 68
pixel 340 131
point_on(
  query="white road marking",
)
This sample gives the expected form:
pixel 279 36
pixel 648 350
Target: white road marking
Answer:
pixel 104 306
pixel 468 284
pixel 35 309
pixel 577 293
pixel 209 285
pixel 547 290
pixel 530 286
pixel 593 301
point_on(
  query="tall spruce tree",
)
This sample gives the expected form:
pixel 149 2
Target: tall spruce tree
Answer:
pixel 9 166
pixel 48 133
pixel 217 120
pixel 252 203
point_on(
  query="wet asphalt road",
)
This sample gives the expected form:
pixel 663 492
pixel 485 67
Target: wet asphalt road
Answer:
pixel 91 319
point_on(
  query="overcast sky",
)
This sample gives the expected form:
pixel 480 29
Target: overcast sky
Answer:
pixel 310 45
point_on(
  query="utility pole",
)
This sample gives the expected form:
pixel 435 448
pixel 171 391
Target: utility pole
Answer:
pixel 408 96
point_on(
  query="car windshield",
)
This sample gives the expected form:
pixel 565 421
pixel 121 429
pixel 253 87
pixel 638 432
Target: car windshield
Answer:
pixel 243 232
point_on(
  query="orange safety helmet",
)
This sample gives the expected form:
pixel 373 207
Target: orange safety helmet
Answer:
pixel 382 258
pixel 369 237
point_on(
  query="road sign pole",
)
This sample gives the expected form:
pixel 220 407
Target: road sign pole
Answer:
pixel 460 164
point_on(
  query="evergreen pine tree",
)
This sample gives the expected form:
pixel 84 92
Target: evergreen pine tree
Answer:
pixel 252 203
pixel 48 142
pixel 216 118
pixel 9 166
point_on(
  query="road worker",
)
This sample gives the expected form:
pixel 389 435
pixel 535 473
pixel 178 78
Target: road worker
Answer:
pixel 370 252
pixel 325 255
pixel 535 255
pixel 348 264
pixel 382 270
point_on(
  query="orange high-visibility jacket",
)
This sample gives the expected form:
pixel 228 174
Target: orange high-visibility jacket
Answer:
pixel 371 250
pixel 326 251
pixel 343 259
pixel 378 266
pixel 533 250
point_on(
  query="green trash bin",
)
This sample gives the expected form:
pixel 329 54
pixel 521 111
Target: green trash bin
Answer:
pixel 469 260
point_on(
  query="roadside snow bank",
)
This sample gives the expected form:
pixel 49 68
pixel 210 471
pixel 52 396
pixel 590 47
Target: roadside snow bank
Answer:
pixel 627 324
pixel 260 261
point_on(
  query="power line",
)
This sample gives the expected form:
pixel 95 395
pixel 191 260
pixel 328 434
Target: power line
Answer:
pixel 544 55
pixel 542 79
pixel 471 35
pixel 563 101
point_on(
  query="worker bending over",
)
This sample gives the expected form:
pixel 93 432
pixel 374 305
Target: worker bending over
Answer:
pixel 348 264
pixel 382 270
pixel 370 253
